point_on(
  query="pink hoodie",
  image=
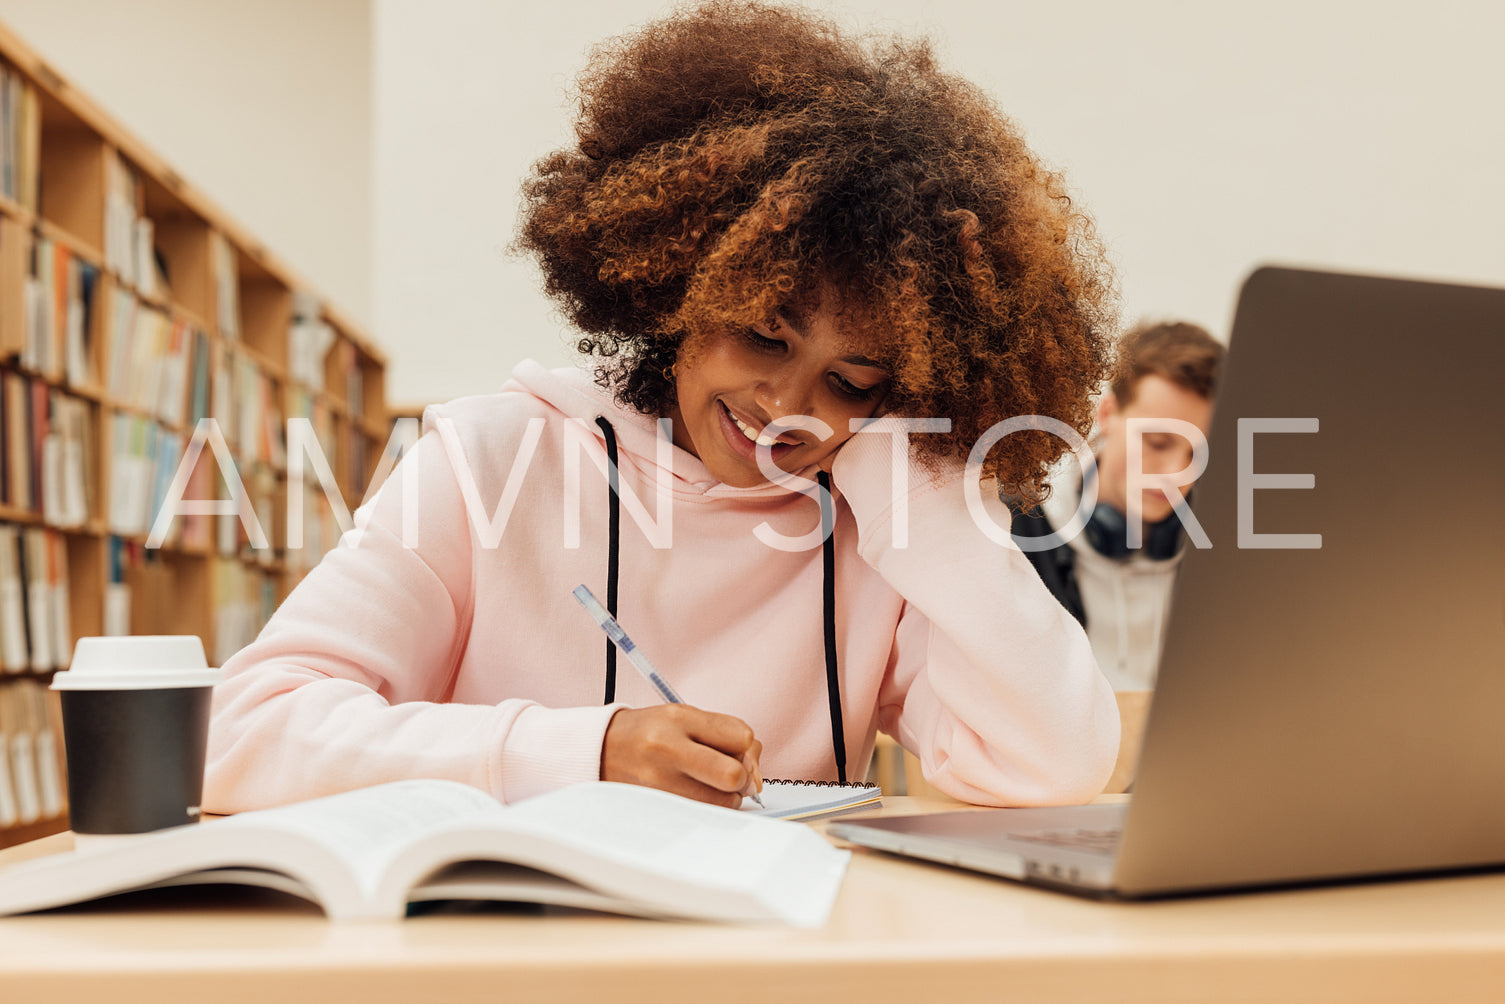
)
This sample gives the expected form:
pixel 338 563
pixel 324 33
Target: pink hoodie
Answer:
pixel 466 657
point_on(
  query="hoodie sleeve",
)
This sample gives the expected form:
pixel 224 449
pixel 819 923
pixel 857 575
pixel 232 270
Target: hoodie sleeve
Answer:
pixel 990 682
pixel 348 683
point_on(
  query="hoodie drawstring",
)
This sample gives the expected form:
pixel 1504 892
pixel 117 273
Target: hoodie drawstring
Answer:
pixel 613 547
pixel 828 618
pixel 828 590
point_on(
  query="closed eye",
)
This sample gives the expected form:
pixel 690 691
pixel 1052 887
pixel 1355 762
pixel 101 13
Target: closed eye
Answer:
pixel 847 388
pixel 761 343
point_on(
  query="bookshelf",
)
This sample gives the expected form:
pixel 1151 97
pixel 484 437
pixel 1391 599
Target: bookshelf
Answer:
pixel 137 321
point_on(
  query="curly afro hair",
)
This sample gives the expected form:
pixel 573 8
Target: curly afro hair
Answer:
pixel 738 159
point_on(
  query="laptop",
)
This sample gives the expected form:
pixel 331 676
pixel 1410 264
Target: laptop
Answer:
pixel 1325 713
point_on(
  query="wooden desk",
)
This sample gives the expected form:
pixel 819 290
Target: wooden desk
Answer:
pixel 901 931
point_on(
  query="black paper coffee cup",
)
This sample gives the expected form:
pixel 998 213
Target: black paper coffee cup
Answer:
pixel 135 729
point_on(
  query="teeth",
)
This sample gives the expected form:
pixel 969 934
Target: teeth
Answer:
pixel 747 430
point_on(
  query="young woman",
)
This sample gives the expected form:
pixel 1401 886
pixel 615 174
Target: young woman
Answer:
pixel 767 233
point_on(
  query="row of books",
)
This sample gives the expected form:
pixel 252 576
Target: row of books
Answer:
pixel 35 619
pixel 309 339
pixel 166 368
pixel 240 597
pixel 322 362
pixel 343 444
pixel 35 625
pixel 243 598
pixel 20 137
pixel 233 536
pixel 246 401
pixel 32 785
pixel 140 577
pixel 223 266
pixel 129 234
pixel 47 452
pixel 144 457
pixel 347 375
pixel 319 532
pixel 121 555
pixel 59 304
pixel 49 466
pixel 49 462
pixel 158 364
pixel 302 403
pixel 163 366
pixel 357 459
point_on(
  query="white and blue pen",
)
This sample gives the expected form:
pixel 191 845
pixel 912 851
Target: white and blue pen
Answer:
pixel 634 654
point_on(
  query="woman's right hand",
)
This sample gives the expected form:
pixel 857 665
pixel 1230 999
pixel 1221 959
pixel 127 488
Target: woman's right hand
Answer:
pixel 682 749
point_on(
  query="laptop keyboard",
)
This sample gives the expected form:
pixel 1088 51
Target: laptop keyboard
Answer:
pixel 1095 840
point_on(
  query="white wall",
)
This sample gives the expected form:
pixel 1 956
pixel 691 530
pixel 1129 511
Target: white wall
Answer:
pixel 467 93
pixel 264 106
pixel 1205 137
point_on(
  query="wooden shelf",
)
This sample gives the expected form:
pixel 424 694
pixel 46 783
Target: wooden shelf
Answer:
pixel 11 836
pixel 264 362
pixel 215 329
pixel 10 207
pixel 90 391
pixel 77 245
pixel 15 514
pixel 377 429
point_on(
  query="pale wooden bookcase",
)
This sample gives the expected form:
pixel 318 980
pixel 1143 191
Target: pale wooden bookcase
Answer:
pixel 234 303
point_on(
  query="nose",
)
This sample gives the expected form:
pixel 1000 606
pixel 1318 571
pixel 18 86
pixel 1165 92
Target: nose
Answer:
pixel 784 390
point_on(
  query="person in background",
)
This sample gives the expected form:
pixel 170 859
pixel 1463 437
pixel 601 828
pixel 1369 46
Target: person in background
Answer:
pixel 1119 593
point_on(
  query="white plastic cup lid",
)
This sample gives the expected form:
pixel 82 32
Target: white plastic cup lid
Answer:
pixel 137 662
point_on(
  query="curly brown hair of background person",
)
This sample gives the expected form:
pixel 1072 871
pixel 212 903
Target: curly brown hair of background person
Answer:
pixel 737 159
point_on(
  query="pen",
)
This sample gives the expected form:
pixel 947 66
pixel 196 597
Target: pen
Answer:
pixel 634 654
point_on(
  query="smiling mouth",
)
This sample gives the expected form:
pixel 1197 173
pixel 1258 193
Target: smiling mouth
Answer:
pixel 752 438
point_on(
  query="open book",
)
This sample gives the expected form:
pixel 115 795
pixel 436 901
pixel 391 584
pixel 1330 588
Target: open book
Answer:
pixel 367 854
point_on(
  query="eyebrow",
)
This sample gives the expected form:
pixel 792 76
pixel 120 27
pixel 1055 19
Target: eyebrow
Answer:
pixel 788 319
pixel 795 317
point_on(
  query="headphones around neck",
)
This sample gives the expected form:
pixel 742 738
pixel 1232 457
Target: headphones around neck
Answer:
pixel 1107 530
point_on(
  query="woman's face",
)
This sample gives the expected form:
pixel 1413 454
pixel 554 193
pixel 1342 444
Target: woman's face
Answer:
pixel 737 383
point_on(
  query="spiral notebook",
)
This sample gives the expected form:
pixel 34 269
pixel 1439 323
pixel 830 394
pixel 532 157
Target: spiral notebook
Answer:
pixel 790 799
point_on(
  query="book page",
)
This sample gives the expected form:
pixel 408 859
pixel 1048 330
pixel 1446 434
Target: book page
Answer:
pixel 365 828
pixel 332 850
pixel 499 882
pixel 211 851
pixel 658 852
